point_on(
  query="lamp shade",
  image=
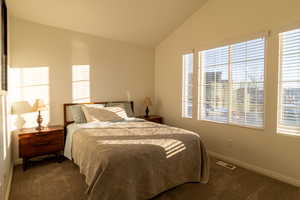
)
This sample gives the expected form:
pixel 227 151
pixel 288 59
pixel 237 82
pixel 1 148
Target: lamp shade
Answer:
pixel 147 101
pixel 21 107
pixel 39 105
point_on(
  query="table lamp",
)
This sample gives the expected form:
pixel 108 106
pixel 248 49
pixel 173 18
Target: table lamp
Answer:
pixel 18 108
pixel 38 106
pixel 147 102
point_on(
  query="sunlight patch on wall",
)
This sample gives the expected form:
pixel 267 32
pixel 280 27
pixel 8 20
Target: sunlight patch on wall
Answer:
pixel 29 84
pixel 81 83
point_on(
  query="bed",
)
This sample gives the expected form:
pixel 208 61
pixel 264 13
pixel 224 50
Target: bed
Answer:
pixel 134 159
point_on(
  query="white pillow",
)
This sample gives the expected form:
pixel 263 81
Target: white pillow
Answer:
pixel 104 114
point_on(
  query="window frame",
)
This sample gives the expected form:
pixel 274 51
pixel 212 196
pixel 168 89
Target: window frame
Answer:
pixel 183 89
pixel 263 35
pixel 279 129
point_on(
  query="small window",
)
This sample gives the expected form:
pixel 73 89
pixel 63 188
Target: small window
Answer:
pixel 187 85
pixel 232 84
pixel 289 84
pixel 81 83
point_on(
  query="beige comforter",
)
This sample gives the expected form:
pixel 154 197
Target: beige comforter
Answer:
pixel 137 160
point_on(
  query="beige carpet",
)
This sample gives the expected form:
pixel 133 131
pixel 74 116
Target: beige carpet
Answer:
pixel 48 180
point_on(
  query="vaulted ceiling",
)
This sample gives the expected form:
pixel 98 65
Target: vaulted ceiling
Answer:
pixel 142 22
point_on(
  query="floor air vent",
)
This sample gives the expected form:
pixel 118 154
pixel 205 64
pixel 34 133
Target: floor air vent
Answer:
pixel 226 165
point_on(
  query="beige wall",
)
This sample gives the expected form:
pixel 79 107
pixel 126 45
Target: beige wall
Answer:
pixel 115 67
pixel 214 23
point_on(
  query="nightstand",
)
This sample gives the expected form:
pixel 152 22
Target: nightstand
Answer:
pixel 33 143
pixel 152 118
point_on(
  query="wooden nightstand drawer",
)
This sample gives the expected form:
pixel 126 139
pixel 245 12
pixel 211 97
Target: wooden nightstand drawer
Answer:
pixel 152 118
pixel 45 138
pixel 31 150
pixel 39 144
pixel 32 142
pixel 157 120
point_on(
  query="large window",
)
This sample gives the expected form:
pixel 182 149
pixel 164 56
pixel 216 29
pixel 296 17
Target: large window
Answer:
pixel 214 98
pixel 81 83
pixel 187 85
pixel 232 84
pixel 289 84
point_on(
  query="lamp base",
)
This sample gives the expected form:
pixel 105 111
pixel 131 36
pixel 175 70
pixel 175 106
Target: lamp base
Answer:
pixel 39 128
pixel 39 121
pixel 147 112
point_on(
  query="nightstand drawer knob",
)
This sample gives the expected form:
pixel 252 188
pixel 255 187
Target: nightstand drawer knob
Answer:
pixel 40 134
pixel 41 144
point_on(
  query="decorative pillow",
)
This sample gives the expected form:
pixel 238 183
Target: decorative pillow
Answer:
pixel 104 114
pixel 125 105
pixel 78 114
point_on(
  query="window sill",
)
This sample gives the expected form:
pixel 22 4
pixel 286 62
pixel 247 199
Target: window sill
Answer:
pixel 288 135
pixel 187 117
pixel 234 125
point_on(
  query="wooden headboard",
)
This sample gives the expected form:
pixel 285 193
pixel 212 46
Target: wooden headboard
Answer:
pixel 66 122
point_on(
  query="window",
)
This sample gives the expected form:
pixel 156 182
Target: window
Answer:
pixel 289 84
pixel 214 84
pixel 29 84
pixel 232 84
pixel 81 83
pixel 187 85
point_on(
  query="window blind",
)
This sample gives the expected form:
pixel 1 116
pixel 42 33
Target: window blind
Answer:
pixel 289 84
pixel 232 83
pixel 187 85
pixel 215 84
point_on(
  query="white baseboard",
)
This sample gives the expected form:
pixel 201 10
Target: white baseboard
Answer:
pixel 8 187
pixel 257 169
